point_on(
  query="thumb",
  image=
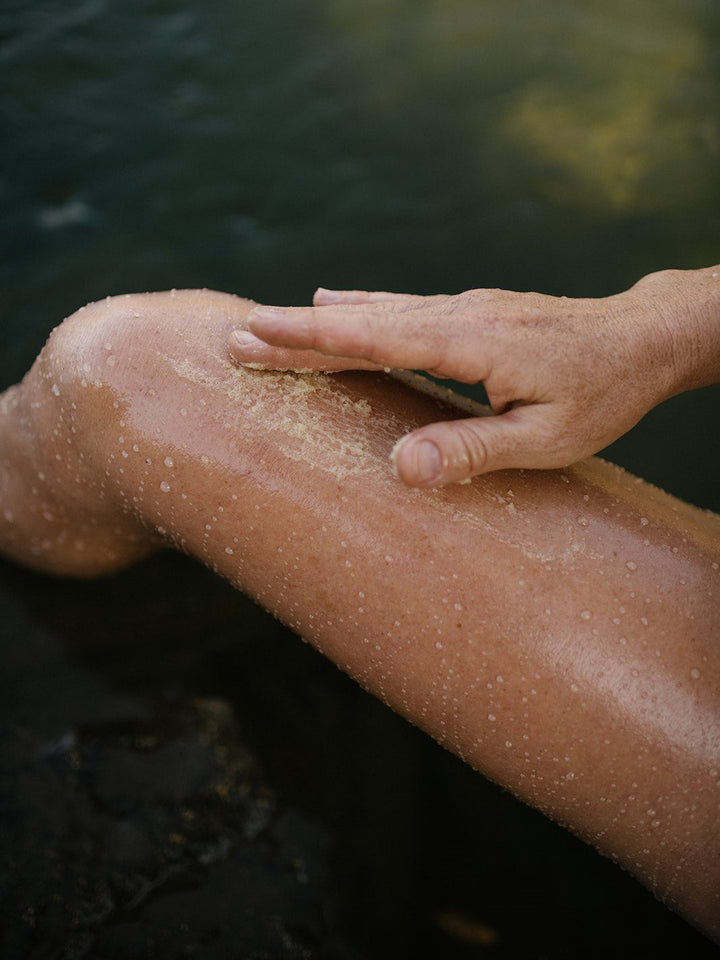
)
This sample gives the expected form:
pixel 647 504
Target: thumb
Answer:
pixel 458 450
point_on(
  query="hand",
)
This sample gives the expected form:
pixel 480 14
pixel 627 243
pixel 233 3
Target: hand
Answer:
pixel 564 377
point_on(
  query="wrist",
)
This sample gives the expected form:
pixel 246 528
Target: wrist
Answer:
pixel 676 325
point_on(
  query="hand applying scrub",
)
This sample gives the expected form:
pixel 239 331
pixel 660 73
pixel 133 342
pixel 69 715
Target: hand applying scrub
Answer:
pixel 564 377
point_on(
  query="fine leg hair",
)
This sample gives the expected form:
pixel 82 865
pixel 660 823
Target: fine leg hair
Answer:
pixel 558 630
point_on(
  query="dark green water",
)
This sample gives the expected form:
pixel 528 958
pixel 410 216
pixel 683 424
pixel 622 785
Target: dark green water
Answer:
pixel 567 146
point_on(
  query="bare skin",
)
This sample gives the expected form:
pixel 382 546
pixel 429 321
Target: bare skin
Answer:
pixel 566 377
pixel 556 629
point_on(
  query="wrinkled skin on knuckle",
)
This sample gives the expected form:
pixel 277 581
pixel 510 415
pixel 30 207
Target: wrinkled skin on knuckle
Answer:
pixel 469 454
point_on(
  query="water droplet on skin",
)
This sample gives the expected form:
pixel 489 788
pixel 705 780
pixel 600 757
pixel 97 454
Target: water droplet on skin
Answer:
pixel 169 463
pixel 631 565
pixel 165 486
pixel 491 717
pixel 585 615
pixel 695 673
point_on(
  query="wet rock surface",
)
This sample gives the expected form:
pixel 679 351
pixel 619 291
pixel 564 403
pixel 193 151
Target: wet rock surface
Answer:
pixel 183 777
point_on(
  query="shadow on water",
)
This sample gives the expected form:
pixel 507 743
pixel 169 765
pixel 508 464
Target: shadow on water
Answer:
pixel 182 773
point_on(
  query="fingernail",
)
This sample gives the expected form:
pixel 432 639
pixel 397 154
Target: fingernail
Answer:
pixel 426 463
pixel 329 296
pixel 243 338
pixel 268 313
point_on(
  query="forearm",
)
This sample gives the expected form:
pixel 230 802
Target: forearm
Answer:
pixel 556 630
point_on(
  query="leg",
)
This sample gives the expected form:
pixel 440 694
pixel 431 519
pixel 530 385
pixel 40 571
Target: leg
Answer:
pixel 557 630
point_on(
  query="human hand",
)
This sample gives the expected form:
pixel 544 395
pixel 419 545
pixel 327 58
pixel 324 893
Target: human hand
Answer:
pixel 564 377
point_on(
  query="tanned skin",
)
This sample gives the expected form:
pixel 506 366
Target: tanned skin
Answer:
pixel 558 629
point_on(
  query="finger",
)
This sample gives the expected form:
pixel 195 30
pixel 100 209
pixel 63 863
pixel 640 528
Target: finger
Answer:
pixel 324 297
pixel 388 333
pixel 247 350
pixel 458 450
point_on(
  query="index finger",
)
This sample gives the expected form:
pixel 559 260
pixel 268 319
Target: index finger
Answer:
pixel 401 332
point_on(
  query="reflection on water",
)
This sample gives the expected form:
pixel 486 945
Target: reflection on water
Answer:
pixel 605 107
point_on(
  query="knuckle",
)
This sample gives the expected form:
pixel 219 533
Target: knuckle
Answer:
pixel 471 452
